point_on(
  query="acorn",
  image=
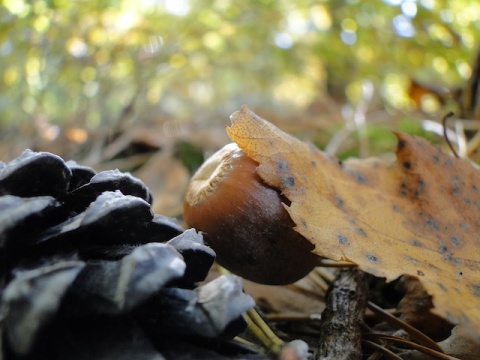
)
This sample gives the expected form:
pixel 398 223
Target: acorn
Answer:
pixel 244 220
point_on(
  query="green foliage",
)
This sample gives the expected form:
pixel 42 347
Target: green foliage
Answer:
pixel 190 155
pixel 412 126
pixel 85 62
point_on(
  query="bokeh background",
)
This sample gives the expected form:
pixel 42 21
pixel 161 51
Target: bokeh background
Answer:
pixel 147 86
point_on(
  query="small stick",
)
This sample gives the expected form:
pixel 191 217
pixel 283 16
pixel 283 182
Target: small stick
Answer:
pixel 444 124
pixel 340 328
pixel 293 317
pixel 388 354
pixel 424 349
pixel 414 333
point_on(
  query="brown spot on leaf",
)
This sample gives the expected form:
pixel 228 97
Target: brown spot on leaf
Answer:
pixel 342 239
pixel 476 290
pixel 415 242
pixel 443 249
pixel 362 232
pixel 456 185
pixel 455 240
pixel 339 201
pixel 288 181
pixel 441 286
pixel 451 259
pixel 447 255
pixel 412 260
pixel 464 226
pixel 431 224
pixel 420 188
pixel 358 176
pixel 420 143
pixel 420 273
pixel 473 265
pixel 282 165
pixel 372 258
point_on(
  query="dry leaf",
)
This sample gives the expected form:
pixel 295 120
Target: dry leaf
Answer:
pixel 417 215
pixel 415 309
pixel 167 179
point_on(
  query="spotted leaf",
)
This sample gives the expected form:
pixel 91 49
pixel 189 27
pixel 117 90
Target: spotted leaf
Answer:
pixel 417 215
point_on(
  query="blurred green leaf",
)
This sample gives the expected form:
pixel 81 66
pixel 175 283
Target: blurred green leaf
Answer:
pixel 85 61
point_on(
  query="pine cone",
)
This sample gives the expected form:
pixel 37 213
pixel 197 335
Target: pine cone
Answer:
pixel 87 271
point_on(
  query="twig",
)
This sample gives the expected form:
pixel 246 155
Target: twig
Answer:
pixel 293 317
pixel 415 334
pixel 424 349
pixel 388 354
pixel 340 329
pixel 444 123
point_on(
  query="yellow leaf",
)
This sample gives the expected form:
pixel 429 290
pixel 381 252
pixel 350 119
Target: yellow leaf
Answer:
pixel 418 215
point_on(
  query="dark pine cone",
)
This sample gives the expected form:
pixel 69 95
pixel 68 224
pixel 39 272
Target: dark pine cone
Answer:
pixel 87 271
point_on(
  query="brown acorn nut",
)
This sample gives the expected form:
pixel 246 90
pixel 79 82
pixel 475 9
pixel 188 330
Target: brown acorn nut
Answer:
pixel 245 222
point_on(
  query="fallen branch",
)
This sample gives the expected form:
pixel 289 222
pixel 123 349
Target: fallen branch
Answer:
pixel 340 333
